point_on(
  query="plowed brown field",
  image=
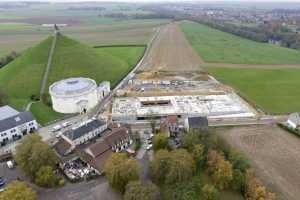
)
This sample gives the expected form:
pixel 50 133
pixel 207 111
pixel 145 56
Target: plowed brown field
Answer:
pixel 171 51
pixel 275 155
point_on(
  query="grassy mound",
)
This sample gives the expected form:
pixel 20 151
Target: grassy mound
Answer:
pixel 275 91
pixel 220 47
pixel 73 59
pixel 22 78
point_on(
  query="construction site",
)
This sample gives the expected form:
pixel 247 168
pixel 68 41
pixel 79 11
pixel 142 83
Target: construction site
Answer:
pixel 170 81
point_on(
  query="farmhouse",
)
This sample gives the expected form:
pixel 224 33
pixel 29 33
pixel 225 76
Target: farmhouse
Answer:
pixel 293 120
pixel 77 95
pixel 117 140
pixel 14 124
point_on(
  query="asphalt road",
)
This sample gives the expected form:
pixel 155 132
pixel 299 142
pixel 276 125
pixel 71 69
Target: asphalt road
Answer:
pixel 97 189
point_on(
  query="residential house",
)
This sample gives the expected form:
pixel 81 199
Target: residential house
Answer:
pixel 170 126
pixel 115 141
pixel 14 124
pixel 87 131
pixel 74 137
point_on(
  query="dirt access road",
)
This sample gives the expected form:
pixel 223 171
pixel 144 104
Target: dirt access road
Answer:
pixel 171 51
pixel 275 155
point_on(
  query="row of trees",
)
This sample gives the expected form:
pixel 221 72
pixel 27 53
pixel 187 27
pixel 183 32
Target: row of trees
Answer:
pixel 8 58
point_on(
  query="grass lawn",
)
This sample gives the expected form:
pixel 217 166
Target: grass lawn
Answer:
pixel 220 47
pixel 275 91
pixel 22 77
pixel 44 113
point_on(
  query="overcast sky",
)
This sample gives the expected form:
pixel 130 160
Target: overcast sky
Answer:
pixel 283 1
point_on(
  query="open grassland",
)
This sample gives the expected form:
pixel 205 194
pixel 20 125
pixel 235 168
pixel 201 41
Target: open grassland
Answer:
pixel 273 90
pixel 220 47
pixel 21 78
pixel 44 113
pixel 275 155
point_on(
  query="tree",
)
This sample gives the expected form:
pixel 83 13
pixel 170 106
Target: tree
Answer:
pixel 239 181
pixel 169 167
pixel 160 141
pixel 219 168
pixel 32 154
pixel 18 191
pixel 222 176
pixel 255 190
pixel 238 160
pixel 198 154
pixel 135 190
pixel 45 177
pixel 160 165
pixel 190 140
pixel 182 166
pixel 210 192
pixel 120 170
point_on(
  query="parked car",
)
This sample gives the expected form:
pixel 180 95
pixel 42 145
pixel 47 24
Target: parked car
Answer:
pixel 10 164
pixel 66 124
pixel 56 128
pixel 149 147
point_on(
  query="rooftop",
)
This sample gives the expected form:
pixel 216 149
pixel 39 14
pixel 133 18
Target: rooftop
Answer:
pixel 16 120
pixel 7 112
pixel 74 134
pixel 72 86
pixel 213 106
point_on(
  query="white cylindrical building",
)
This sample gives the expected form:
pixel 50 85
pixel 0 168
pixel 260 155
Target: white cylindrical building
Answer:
pixel 74 95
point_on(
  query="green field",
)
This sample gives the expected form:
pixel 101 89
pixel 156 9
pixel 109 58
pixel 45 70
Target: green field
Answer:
pixel 273 90
pixel 21 78
pixel 219 47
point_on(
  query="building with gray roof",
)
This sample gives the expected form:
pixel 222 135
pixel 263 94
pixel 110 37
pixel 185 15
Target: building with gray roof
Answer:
pixel 87 131
pixel 14 124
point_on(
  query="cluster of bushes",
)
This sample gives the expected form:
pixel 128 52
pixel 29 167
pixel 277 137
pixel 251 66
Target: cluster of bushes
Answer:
pixel 38 161
pixel 8 58
pixel 18 190
pixel 180 172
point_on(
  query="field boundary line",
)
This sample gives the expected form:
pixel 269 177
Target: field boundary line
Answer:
pixel 252 66
pixel 120 45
